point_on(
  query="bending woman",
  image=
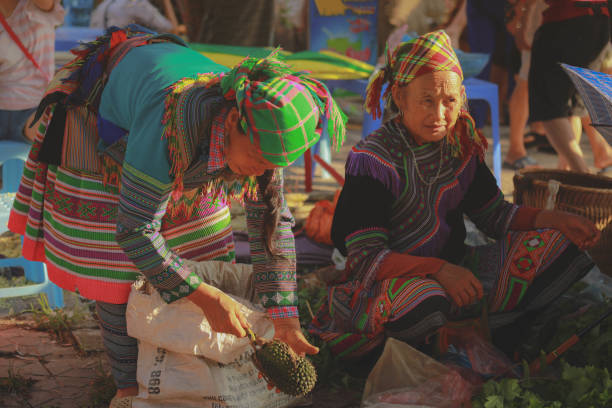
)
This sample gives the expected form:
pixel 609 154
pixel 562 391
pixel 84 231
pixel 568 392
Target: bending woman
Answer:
pixel 399 219
pixel 141 145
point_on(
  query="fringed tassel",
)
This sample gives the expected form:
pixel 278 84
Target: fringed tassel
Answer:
pixel 177 189
pixel 239 191
pixel 365 164
pixel 374 88
pixel 172 129
pixel 111 172
pixel 466 139
pixel 337 127
pixel 214 80
pixel 183 204
pixel 329 110
pixel 372 102
pixel 92 58
pixel 479 141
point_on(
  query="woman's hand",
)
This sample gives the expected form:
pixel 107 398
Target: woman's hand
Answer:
pixel 180 29
pixel 581 231
pixel 288 330
pixel 222 312
pixel 460 284
pixel 44 5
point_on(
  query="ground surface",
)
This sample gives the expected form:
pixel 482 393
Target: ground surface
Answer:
pixel 46 371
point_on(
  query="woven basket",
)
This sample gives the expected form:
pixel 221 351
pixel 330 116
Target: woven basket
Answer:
pixel 588 195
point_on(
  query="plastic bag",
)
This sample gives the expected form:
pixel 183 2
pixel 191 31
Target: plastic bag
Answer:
pixel 319 222
pixel 405 377
pixel 181 326
pixel 176 380
pixel 182 363
pixel 469 351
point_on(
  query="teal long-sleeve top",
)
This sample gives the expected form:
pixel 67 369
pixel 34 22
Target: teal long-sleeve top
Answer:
pixel 134 100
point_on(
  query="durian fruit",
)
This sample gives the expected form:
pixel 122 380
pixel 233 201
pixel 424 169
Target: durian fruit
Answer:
pixel 281 366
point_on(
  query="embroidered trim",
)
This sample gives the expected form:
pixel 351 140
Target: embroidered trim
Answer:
pixel 180 149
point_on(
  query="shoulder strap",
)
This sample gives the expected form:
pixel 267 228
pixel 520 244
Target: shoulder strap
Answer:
pixel 23 49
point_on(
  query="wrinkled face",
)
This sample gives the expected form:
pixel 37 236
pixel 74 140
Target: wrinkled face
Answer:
pixel 243 157
pixel 430 105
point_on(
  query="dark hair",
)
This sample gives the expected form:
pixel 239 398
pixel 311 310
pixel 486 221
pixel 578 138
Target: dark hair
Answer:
pixel 272 199
pixel 271 196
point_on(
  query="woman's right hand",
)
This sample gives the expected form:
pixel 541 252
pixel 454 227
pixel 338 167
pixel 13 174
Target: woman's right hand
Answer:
pixel 578 229
pixel 459 283
pixel 179 30
pixel 222 312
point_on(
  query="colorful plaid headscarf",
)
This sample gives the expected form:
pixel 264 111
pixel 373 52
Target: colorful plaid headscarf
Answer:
pixel 287 110
pixel 422 55
pixel 428 53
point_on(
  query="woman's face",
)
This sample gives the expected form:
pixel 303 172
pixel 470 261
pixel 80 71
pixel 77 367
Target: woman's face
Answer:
pixel 430 105
pixel 242 156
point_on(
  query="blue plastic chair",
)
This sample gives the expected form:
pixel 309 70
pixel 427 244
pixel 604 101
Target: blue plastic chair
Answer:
pixel 78 12
pixel 12 159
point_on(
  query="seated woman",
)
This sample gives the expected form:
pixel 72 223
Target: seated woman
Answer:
pixel 399 219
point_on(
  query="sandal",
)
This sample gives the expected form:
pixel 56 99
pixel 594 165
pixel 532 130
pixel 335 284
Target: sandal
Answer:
pixel 122 402
pixel 521 163
pixel 537 139
pixel 606 171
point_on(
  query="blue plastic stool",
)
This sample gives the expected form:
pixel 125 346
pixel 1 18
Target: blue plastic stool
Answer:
pixel 78 12
pixel 477 89
pixel 12 158
pixel 323 146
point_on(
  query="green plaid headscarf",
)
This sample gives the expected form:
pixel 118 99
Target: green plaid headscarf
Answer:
pixel 287 110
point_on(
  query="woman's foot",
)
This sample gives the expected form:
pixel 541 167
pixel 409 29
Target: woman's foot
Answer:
pixel 605 171
pixel 524 162
pixel 534 139
pixel 121 402
pixel 123 397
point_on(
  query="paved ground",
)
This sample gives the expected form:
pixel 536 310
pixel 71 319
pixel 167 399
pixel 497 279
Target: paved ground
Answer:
pixel 61 376
pixel 64 376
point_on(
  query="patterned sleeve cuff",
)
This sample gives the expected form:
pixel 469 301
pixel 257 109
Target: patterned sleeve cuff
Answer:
pixel 367 249
pixel 280 312
pixel 372 271
pixel 185 288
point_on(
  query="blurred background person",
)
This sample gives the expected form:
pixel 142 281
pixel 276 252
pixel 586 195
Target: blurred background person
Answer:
pixel 525 18
pixel 414 17
pixel 123 12
pixel 27 41
pixel 574 34
pixel 230 22
pixel 581 121
pixel 487 33
pixel 291 27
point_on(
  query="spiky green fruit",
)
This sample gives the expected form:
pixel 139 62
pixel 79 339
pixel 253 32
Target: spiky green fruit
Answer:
pixel 290 373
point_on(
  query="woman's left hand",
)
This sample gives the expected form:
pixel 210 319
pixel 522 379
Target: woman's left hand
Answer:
pixel 581 231
pixel 288 330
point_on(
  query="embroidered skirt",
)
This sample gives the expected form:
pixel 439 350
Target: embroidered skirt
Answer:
pixel 355 320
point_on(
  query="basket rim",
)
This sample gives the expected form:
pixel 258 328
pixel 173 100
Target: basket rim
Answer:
pixel 526 173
